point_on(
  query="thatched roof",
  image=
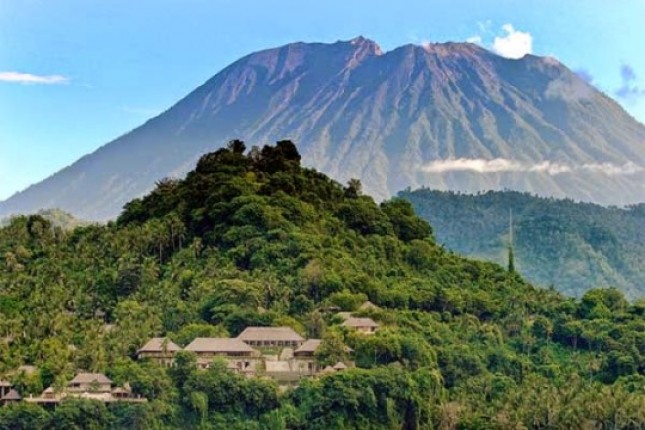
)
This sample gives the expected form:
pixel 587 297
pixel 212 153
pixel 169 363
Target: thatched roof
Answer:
pixel 12 395
pixel 49 390
pixel 4 383
pixel 278 334
pixel 159 344
pixel 88 378
pixel 120 390
pixel 310 346
pixel 218 344
pixel 360 322
pixel 340 366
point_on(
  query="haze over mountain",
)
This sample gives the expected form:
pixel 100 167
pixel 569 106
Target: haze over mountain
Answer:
pixel 447 116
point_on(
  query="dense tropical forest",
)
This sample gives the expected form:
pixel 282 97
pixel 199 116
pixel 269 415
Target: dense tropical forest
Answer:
pixel 568 245
pixel 252 238
pixel 56 217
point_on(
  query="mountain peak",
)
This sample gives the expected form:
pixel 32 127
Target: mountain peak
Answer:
pixel 443 115
pixel 368 44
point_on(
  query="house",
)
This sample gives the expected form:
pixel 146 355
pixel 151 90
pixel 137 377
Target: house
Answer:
pixel 159 349
pixel 339 366
pixel 362 325
pixel 12 396
pixel 49 393
pixel 5 387
pixel 90 383
pixel 304 357
pixel 271 337
pixel 234 351
pixel 94 386
pixel 307 349
pixel 122 393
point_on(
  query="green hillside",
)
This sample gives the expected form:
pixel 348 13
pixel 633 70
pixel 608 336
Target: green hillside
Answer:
pixel 56 217
pixel 561 243
pixel 253 239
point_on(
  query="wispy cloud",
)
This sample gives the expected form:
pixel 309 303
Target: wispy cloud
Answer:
pixel 514 44
pixel 503 165
pixel 629 90
pixel 28 78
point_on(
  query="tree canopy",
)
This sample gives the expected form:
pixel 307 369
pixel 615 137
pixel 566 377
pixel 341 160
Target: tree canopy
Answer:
pixel 250 237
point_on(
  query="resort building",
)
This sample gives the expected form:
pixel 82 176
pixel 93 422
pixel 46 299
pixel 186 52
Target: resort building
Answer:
pixel 271 337
pixel 362 325
pixel 90 382
pixel 159 349
pixel 304 357
pixel 94 386
pixel 11 396
pixel 238 354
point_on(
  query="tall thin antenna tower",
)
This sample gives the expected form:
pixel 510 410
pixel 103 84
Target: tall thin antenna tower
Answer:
pixel 510 227
pixel 511 256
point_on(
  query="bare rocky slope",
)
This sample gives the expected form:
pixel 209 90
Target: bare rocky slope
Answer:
pixel 446 116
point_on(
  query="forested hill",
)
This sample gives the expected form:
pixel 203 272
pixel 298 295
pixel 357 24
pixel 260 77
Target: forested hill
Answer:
pixel 571 246
pixel 56 217
pixel 250 238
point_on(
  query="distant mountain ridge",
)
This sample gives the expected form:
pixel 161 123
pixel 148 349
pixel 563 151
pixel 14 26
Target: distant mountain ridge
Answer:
pixel 570 246
pixel 446 116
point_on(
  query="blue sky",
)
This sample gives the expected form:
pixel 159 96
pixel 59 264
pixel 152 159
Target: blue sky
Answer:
pixel 75 74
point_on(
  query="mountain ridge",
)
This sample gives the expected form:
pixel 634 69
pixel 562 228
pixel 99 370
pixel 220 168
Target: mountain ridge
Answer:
pixel 568 245
pixel 378 116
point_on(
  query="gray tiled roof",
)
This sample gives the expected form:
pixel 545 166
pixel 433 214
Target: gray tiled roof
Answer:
pixel 88 378
pixel 360 322
pixel 260 334
pixel 218 344
pixel 12 395
pixel 309 346
pixel 160 344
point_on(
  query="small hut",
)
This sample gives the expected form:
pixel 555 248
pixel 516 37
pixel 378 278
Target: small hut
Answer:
pixel 11 397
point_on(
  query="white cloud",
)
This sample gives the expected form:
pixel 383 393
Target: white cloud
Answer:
pixel 28 78
pixel 477 40
pixel 515 44
pixel 484 26
pixel 503 165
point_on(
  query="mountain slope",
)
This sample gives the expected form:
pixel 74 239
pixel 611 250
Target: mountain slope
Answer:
pixel 571 246
pixel 434 115
pixel 254 239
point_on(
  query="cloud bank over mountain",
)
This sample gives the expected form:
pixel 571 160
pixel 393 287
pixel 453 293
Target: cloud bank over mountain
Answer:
pixel 503 165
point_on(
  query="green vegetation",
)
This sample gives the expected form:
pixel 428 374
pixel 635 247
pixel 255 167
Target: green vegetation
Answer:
pixel 255 239
pixel 570 246
pixel 56 217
